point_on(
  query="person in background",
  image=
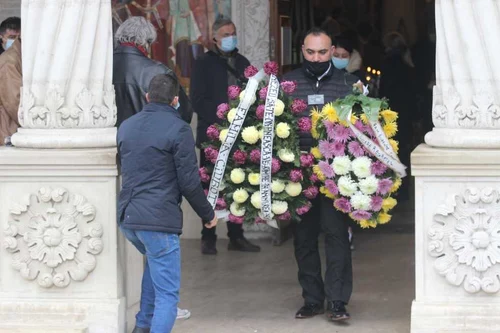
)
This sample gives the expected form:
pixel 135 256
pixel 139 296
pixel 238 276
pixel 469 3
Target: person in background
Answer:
pixel 158 167
pixel 11 78
pixel 212 74
pixel 345 57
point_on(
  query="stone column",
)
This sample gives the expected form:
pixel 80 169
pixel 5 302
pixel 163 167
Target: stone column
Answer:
pixel 64 267
pixel 457 177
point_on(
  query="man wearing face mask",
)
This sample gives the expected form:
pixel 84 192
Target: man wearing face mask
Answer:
pixel 212 74
pixel 318 83
pixel 10 30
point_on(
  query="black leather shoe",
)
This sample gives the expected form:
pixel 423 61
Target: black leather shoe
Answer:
pixel 336 311
pixel 141 330
pixel 309 310
pixel 243 245
pixel 208 246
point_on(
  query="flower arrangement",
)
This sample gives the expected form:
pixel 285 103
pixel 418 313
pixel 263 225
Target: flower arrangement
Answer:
pixel 348 155
pixel 292 179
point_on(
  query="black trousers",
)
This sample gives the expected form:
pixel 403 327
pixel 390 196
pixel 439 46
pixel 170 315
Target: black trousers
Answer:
pixel 234 231
pixel 337 285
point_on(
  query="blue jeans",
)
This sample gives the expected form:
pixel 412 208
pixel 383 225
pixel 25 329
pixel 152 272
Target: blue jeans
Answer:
pixel 161 280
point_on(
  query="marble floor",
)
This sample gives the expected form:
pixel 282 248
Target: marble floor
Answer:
pixel 259 293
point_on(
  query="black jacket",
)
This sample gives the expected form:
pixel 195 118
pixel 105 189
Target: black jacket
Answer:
pixel 158 164
pixel 132 73
pixel 209 88
pixel 335 84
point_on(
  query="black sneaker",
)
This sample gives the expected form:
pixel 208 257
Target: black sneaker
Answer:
pixel 336 311
pixel 243 245
pixel 141 330
pixel 309 310
pixel 208 246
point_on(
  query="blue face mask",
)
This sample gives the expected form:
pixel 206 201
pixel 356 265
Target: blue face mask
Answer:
pixel 228 44
pixel 9 43
pixel 340 63
pixel 177 106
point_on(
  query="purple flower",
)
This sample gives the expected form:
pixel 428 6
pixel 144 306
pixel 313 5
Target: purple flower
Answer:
pixel 368 130
pixel 288 86
pixel 325 148
pixel 378 168
pixel 384 186
pixel 275 166
pixel 239 157
pixel 213 132
pixel 286 216
pixel 339 133
pixel 298 106
pixel 376 204
pixel 338 148
pixel 359 215
pixel 271 67
pixel 211 154
pixel 233 92
pixel 259 113
pixel 329 128
pixel 303 209
pixel 255 156
pixel 311 192
pixel 331 187
pixel 220 204
pixel 222 109
pixel 343 205
pixel 355 149
pixel 250 71
pixel 314 179
pixel 326 169
pixel 306 160
pixel 236 219
pixel 263 93
pixel 204 176
pixel 304 124
pixel 359 125
pixel 296 175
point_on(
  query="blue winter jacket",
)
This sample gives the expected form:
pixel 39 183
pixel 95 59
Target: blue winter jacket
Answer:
pixel 158 166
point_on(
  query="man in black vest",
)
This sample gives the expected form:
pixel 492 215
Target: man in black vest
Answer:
pixel 318 83
pixel 212 74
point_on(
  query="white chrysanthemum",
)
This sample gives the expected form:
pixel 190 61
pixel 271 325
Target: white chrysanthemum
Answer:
pixel 242 95
pixel 283 130
pixel 231 114
pixel 279 108
pixel 279 207
pixel 254 178
pixel 240 196
pixel 347 187
pixel 341 165
pixel 256 200
pixel 250 135
pixel 361 201
pixel 277 186
pixel 223 135
pixel 368 185
pixel 361 167
pixel 237 210
pixel 286 155
pixel 293 189
pixel 237 176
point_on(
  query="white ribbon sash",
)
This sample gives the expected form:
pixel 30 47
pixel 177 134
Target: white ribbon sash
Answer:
pixel 232 135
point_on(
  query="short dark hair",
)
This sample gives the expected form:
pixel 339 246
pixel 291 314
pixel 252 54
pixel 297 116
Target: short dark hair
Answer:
pixel 316 31
pixel 221 21
pixel 344 43
pixel 163 88
pixel 11 23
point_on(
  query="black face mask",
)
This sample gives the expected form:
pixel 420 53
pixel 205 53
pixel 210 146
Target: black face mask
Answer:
pixel 316 68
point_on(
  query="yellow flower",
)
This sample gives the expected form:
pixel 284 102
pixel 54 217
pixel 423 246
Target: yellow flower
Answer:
pixel 388 204
pixel 372 224
pixel 240 196
pixel 315 115
pixel 329 113
pixel 364 119
pixel 396 185
pixel 389 116
pixel 384 218
pixel 254 178
pixel 279 107
pixel 318 172
pixel 231 114
pixel 316 153
pixel 364 224
pixel 250 135
pixel 293 189
pixel 314 132
pixel 283 130
pixel 395 145
pixel 390 129
pixel 237 176
pixel 326 192
pixel 223 135
pixel 346 124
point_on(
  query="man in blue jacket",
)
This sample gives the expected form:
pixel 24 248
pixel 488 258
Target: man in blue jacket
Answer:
pixel 159 166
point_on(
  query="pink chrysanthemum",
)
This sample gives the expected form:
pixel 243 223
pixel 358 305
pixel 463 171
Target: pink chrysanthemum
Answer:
pixel 304 124
pixel 298 106
pixel 359 215
pixel 275 166
pixel 250 71
pixel 303 209
pixel 259 113
pixel 343 205
pixel 338 149
pixel 296 175
pixel 263 93
pixel 271 67
pixel 355 149
pixel 314 179
pixel 326 169
pixel 325 148
pixel 288 86
pixel 311 192
pixel 306 160
pixel 236 219
pixel 204 176
pixel 211 154
pixel 384 186
pixel 222 110
pixel 213 132
pixel 376 203
pixel 378 168
pixel 286 216
pixel 331 187
pixel 340 134
pixel 255 156
pixel 220 204
pixel 233 92
pixel 239 157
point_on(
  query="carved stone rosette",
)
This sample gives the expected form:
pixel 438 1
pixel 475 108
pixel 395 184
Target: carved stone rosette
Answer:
pixel 53 237
pixel 465 239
